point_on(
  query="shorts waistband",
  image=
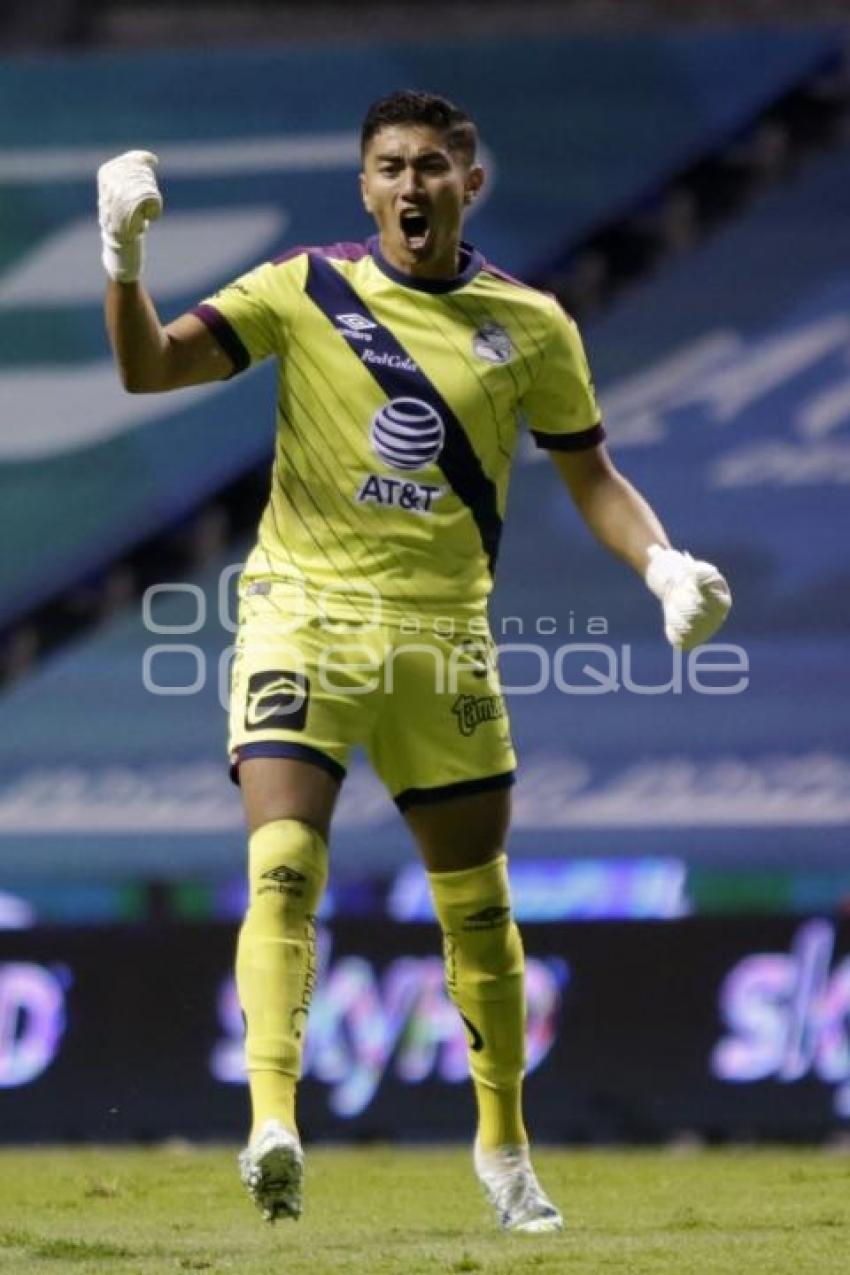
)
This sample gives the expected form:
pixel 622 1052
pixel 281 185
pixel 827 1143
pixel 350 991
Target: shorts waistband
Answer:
pixel 301 605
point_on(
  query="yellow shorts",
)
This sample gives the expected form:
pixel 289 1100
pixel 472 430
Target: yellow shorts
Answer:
pixel 427 707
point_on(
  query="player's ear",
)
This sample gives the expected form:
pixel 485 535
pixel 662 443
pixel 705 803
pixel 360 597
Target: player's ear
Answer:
pixel 473 184
pixel 367 203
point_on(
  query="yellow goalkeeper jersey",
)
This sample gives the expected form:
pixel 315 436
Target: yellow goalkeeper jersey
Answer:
pixel 399 405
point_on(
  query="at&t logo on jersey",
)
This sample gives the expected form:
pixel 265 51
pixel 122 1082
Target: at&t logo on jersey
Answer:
pixel 407 433
pixel 417 498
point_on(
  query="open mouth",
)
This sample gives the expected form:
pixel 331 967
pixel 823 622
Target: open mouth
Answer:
pixel 415 228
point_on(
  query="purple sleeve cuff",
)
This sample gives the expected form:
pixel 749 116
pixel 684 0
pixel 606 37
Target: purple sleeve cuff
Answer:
pixel 226 337
pixel 577 442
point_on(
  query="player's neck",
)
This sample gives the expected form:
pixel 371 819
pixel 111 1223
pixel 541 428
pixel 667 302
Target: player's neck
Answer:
pixel 444 265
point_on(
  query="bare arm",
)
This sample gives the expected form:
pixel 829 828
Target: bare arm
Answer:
pixel 612 508
pixel 151 357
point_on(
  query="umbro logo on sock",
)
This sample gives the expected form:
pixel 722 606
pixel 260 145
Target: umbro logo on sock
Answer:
pixel 284 874
pixel 487 918
pixel 286 880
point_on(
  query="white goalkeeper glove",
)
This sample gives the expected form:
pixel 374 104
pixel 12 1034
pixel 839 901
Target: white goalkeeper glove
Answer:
pixel 693 594
pixel 127 199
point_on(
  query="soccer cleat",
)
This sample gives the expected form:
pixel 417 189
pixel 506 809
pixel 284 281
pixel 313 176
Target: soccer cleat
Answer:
pixel 272 1169
pixel 511 1186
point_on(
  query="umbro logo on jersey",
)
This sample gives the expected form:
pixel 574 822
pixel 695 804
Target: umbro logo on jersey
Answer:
pixel 355 326
pixel 356 322
pixel 277 700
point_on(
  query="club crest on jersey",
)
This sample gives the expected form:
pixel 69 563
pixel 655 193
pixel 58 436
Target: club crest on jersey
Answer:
pixel 492 343
pixel 407 433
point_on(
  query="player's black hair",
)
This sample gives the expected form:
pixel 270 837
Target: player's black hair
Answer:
pixel 410 106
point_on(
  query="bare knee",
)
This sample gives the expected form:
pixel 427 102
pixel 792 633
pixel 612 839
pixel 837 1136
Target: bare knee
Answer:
pixel 464 832
pixel 285 788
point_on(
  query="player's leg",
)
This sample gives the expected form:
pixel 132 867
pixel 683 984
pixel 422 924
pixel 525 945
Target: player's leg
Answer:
pixel 462 842
pixel 291 729
pixel 288 742
pixel 288 804
pixel 443 747
pixel 299 699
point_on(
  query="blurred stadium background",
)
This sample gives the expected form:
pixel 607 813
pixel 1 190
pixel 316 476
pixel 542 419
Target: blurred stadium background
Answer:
pixel 679 174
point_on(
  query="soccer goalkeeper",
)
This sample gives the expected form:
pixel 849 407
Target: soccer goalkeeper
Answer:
pixel 405 364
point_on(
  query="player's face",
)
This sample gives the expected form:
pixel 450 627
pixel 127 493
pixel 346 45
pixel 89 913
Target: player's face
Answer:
pixel 417 190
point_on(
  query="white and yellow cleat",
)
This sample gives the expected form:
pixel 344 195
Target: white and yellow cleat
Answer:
pixel 272 1170
pixel 511 1186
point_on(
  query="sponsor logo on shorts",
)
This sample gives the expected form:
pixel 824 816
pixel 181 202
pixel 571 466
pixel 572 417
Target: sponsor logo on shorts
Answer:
pixel 417 498
pixel 407 433
pixel 473 711
pixel 492 344
pixel 487 919
pixel 277 700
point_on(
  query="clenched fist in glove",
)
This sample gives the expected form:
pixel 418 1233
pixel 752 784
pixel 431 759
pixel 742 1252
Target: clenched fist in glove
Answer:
pixel 693 594
pixel 127 199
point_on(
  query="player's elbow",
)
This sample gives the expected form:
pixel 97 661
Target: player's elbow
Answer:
pixel 136 381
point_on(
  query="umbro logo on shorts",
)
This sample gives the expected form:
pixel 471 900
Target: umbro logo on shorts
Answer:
pixel 487 918
pixel 277 700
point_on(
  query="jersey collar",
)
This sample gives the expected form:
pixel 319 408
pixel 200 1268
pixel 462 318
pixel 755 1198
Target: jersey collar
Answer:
pixel 470 258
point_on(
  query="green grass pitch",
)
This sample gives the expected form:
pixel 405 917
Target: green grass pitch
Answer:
pixel 382 1210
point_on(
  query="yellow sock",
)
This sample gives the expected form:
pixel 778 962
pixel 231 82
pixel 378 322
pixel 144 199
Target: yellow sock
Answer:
pixel 272 1096
pixel 499 1115
pixel 485 975
pixel 276 961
